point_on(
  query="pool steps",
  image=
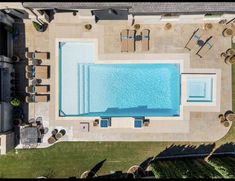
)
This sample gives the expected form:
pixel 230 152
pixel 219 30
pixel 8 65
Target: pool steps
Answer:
pixel 83 88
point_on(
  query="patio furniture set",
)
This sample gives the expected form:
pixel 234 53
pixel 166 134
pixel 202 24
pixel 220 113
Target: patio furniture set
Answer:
pixel 205 43
pixel 202 41
pixel 227 117
pixel 37 72
pixel 229 56
pixel 129 38
pixel 32 133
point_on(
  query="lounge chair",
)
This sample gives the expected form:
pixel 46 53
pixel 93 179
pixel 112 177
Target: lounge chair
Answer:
pixel 194 38
pixel 36 98
pixel 41 88
pixel 131 40
pixel 42 72
pixel 37 55
pixel 206 47
pixel 124 40
pixel 37 89
pixel 145 39
pixel 41 55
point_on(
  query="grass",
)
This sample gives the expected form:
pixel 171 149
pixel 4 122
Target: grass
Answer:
pixel 71 159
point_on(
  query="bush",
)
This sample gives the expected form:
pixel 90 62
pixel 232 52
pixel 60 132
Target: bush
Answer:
pixel 37 26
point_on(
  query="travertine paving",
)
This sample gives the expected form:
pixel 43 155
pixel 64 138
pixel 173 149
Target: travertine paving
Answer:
pixel 198 126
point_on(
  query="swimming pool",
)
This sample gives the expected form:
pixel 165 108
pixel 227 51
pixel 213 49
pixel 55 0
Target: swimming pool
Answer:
pixel 110 90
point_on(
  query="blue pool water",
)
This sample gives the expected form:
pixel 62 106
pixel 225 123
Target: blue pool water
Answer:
pixel 88 89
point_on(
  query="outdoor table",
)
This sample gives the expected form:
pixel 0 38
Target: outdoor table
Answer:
pixel 200 43
pixel 29 135
pixel 41 72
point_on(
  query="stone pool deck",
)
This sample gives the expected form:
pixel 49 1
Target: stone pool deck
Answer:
pixel 202 126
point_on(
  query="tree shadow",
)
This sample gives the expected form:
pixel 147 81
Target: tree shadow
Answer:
pixel 139 173
pixel 95 169
pixel 225 148
pixel 201 151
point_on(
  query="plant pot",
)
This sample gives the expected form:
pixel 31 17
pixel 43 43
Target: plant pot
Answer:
pixel 227 32
pixel 167 26
pixel 88 26
pixel 208 26
pixel 137 26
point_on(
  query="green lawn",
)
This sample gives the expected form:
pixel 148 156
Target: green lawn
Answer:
pixel 71 159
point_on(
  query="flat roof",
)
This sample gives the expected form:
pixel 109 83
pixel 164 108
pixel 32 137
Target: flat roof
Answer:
pixel 143 7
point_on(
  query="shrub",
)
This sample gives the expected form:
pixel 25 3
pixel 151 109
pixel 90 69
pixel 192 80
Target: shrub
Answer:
pixel 37 26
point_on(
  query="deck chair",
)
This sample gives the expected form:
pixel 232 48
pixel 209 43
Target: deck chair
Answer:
pixel 131 40
pixel 41 88
pixel 193 39
pixel 145 39
pixel 36 98
pixel 37 89
pixel 41 55
pixel 206 47
pixel 124 40
pixel 41 98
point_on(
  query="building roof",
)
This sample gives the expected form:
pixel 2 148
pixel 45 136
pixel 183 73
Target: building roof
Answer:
pixel 143 7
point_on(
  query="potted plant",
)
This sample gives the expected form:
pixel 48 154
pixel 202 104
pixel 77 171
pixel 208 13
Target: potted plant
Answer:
pixel 137 26
pixel 39 27
pixel 88 26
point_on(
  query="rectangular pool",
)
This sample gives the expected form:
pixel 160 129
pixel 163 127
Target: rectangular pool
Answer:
pixel 111 90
